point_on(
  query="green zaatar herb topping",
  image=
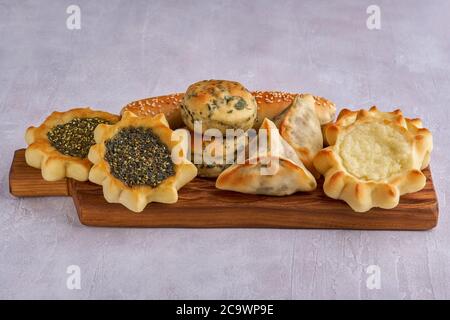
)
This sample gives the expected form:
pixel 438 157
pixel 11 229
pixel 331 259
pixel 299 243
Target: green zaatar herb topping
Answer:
pixel 241 104
pixel 75 137
pixel 228 99
pixel 137 156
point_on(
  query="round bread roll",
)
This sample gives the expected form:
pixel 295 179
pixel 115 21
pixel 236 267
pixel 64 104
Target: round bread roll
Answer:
pixel 218 104
pixel 270 105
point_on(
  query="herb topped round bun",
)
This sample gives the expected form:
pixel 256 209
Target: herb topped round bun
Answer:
pixel 218 104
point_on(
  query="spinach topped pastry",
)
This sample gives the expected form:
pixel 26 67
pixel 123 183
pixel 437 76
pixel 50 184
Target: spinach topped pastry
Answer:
pixel 60 145
pixel 218 104
pixel 270 105
pixel 222 105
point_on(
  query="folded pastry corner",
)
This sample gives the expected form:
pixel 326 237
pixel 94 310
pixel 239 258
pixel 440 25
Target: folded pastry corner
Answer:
pixel 300 126
pixel 277 171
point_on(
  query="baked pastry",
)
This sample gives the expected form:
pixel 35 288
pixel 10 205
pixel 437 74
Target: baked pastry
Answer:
pixel 270 104
pixel 300 127
pixel 218 104
pixel 347 117
pixel 60 145
pixel 325 110
pixel 276 171
pixel 139 160
pixel 169 105
pixel 373 160
pixel 211 155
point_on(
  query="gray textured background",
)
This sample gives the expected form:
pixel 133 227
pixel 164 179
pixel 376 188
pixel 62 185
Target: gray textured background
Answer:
pixel 127 50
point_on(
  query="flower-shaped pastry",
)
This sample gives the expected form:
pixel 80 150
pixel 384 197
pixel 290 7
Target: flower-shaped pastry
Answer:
pixel 60 145
pixel 374 159
pixel 347 117
pixel 139 160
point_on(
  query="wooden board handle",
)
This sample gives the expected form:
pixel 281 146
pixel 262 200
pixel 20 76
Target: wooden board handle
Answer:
pixel 25 181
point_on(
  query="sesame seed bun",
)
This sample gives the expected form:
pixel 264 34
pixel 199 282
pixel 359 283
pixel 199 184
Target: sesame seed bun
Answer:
pixel 269 105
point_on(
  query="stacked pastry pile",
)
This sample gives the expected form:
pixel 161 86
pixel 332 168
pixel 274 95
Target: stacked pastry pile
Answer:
pixel 146 155
pixel 218 113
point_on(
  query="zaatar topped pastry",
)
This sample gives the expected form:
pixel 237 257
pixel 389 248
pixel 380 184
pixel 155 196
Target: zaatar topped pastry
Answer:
pixel 276 172
pixel 60 145
pixel 374 158
pixel 139 160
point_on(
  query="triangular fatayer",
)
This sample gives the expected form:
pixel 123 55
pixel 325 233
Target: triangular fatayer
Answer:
pixel 277 172
pixel 300 126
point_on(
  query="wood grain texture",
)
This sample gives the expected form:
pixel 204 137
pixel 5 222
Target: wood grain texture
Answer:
pixel 201 205
pixel 25 181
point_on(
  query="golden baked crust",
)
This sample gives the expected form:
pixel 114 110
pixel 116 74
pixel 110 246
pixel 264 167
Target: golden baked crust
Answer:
pixel 218 104
pixel 211 154
pixel 325 110
pixel 169 105
pixel 373 160
pixel 42 155
pixel 288 175
pixel 270 104
pixel 136 198
pixel 346 117
pixel 300 126
pixel 244 178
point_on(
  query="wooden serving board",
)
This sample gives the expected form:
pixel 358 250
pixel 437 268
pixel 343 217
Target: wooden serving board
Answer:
pixel 201 205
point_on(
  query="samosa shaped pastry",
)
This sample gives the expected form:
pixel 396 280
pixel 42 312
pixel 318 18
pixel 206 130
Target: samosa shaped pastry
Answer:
pixel 276 171
pixel 300 126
